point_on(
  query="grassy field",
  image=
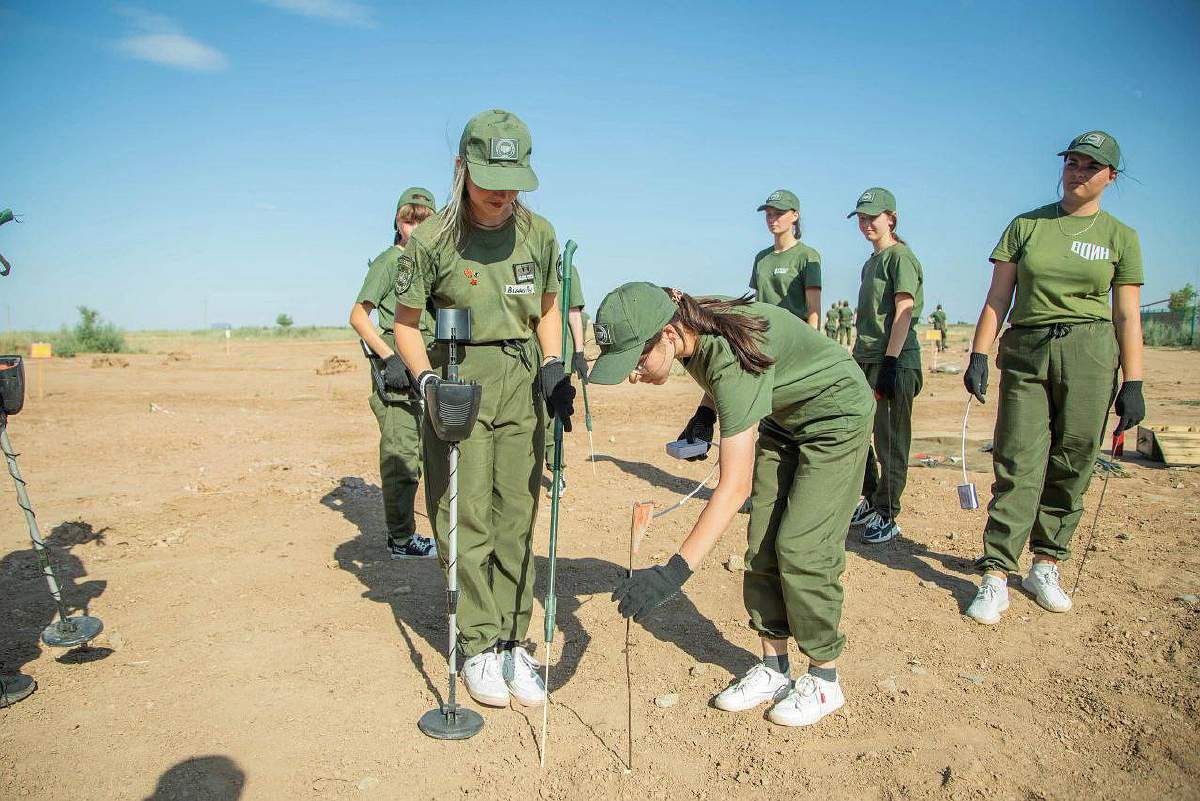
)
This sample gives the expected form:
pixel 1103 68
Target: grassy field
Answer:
pixel 153 341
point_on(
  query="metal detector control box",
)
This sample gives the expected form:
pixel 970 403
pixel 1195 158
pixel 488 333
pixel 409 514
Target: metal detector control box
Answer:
pixel 12 384
pixel 453 405
pixel 682 449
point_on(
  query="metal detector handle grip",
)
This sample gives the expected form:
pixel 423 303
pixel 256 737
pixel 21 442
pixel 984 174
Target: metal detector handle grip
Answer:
pixel 377 378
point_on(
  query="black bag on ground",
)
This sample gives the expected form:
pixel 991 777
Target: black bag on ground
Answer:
pixel 12 384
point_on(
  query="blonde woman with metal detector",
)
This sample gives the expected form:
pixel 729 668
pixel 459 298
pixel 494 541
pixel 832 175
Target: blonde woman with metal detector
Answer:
pixel 1068 276
pixel 485 251
pixel 764 371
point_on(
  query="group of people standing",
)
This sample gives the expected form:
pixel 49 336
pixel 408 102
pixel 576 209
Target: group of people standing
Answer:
pixel 816 437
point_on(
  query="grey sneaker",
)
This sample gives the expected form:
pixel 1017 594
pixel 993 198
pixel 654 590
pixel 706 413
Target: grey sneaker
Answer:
pixel 1042 582
pixel 416 547
pixel 990 602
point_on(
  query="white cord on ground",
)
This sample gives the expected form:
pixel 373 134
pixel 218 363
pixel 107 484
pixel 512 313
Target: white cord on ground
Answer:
pixel 966 416
pixel 691 494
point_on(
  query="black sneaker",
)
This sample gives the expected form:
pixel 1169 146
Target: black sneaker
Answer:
pixel 415 547
pixel 880 529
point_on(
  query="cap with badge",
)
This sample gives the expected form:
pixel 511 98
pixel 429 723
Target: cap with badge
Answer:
pixel 781 199
pixel 629 317
pixel 496 146
pixel 874 202
pixel 416 196
pixel 1097 145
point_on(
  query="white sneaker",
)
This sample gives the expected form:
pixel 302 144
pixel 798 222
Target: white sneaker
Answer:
pixel 810 700
pixel 1042 581
pixel 759 685
pixel 483 677
pixel 990 602
pixel 861 514
pixel 522 677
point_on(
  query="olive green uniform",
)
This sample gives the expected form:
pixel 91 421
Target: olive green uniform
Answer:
pixel 831 324
pixel 782 279
pixel 939 325
pixel 884 275
pixel 845 325
pixel 1058 376
pixel 399 422
pixel 501 276
pixel 576 302
pixel 815 411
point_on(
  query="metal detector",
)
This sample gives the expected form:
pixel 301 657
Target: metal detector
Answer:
pixel 453 407
pixel 67 631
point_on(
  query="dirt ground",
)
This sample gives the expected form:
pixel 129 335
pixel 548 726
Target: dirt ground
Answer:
pixel 221 514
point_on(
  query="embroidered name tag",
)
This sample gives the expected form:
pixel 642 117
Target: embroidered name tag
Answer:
pixel 524 273
pixel 518 289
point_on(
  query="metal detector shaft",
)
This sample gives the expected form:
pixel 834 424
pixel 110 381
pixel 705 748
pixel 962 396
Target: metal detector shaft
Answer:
pixel 39 545
pixel 452 584
pixel 587 421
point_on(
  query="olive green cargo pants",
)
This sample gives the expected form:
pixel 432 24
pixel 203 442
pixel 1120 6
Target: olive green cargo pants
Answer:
pixel 1056 385
pixel 499 475
pixel 887 460
pixel 399 463
pixel 805 489
pixel 845 335
pixel 832 333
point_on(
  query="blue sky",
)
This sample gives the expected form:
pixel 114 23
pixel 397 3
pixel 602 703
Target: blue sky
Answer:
pixel 249 154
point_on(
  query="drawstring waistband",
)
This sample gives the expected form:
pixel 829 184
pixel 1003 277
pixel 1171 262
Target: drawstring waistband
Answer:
pixel 516 347
pixel 1058 331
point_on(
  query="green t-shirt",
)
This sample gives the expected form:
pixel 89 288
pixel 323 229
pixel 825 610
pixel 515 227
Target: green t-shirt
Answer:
pixel 1066 266
pixel 499 275
pixel 781 278
pixel 806 364
pixel 831 320
pixel 939 319
pixel 845 316
pixel 379 289
pixel 885 275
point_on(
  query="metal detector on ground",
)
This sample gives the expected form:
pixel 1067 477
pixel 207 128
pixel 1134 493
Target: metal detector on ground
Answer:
pixel 67 631
pixel 453 406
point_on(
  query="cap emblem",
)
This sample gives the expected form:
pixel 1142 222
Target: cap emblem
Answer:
pixel 603 336
pixel 1093 139
pixel 504 150
pixel 774 196
pixel 867 197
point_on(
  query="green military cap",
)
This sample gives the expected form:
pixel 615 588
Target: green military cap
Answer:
pixel 781 199
pixel 416 196
pixel 496 146
pixel 629 317
pixel 6 216
pixel 1099 145
pixel 874 201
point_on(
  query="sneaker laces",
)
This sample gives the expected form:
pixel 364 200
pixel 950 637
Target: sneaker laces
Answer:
pixel 752 676
pixel 986 592
pixel 806 686
pixel 1049 578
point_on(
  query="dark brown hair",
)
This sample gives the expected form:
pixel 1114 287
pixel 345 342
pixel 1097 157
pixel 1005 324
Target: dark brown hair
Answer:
pixel 895 224
pixel 743 332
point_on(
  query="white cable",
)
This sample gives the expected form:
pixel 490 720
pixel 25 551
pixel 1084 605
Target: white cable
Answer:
pixel 966 416
pixel 691 494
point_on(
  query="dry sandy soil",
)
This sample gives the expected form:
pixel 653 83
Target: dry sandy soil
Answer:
pixel 221 515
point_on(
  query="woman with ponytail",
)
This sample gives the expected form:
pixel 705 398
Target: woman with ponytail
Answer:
pixel 764 371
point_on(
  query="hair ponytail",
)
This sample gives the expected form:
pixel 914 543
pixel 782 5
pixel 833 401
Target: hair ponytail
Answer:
pixel 895 225
pixel 743 332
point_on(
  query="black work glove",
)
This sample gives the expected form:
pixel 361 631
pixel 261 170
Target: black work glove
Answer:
pixel 1130 406
pixel 647 589
pixel 580 366
pixel 395 374
pixel 885 379
pixel 427 378
pixel 976 377
pixel 700 428
pixel 557 391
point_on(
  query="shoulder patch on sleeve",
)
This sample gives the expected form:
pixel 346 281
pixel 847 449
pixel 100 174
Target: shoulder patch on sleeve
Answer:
pixel 404 274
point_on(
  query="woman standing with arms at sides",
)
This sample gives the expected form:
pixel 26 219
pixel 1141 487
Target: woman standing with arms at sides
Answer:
pixel 764 372
pixel 787 274
pixel 399 422
pixel 485 251
pixel 887 350
pixel 1058 370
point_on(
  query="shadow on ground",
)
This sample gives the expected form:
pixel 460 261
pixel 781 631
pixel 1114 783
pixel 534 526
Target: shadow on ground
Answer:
pixel 26 606
pixel 905 554
pixel 415 592
pixel 206 778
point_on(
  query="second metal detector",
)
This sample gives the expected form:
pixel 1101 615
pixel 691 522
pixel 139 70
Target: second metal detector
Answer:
pixel 452 406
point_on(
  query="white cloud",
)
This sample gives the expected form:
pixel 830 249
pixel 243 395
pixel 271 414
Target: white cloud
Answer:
pixel 343 12
pixel 159 39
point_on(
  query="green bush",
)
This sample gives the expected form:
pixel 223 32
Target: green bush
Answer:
pixel 1158 333
pixel 92 335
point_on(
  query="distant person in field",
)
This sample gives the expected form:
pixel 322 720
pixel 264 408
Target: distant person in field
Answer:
pixel 845 324
pixel 788 273
pixel 938 320
pixel 487 252
pixel 831 321
pixel 1068 276
pixel 794 413
pixel 399 416
pixel 889 306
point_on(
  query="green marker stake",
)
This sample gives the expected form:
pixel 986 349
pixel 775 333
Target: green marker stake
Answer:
pixel 568 256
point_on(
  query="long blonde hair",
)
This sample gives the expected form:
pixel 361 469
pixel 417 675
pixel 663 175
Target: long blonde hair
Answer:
pixel 456 214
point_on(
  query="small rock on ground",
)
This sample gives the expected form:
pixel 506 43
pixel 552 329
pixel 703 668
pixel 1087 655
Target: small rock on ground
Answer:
pixel 666 701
